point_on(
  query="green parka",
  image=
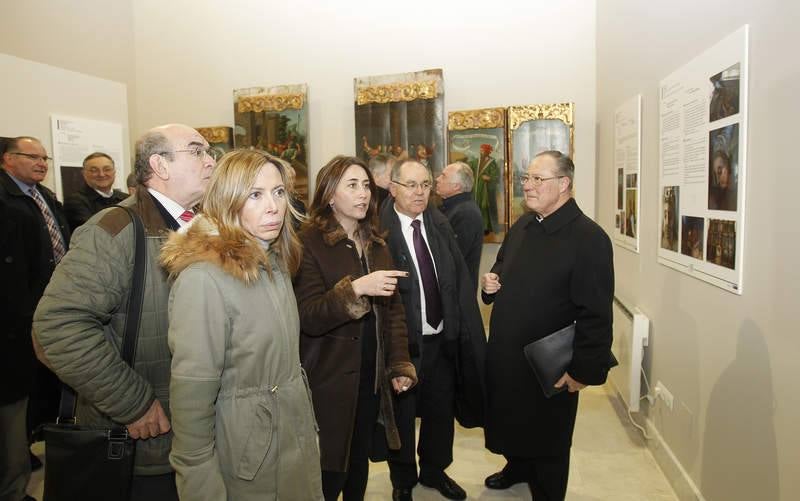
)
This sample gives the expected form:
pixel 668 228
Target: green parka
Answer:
pixel 241 408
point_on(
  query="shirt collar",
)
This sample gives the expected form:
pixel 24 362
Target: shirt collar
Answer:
pixel 23 187
pixel 174 208
pixel 560 217
pixel 405 221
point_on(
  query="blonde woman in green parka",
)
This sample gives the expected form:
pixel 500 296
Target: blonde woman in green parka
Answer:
pixel 241 408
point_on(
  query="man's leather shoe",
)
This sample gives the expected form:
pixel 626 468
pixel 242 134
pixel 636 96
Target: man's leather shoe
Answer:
pixel 500 480
pixel 446 486
pixel 401 494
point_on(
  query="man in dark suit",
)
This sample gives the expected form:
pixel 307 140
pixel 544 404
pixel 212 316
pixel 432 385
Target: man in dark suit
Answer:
pixel 31 213
pixel 445 333
pixel 555 269
pixel 454 185
pixel 99 192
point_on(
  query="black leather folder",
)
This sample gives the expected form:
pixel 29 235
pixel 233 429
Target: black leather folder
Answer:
pixel 549 357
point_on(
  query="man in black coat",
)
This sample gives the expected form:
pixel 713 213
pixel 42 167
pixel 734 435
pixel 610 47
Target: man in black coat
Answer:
pixel 445 334
pixel 381 167
pixel 35 236
pixel 454 185
pixel 97 194
pixel 555 268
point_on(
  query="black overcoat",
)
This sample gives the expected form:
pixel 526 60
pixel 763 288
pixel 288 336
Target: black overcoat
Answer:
pixel 465 217
pixel 28 276
pixel 463 326
pixel 552 272
pixel 86 202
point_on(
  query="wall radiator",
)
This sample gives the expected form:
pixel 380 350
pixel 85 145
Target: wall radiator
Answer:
pixel 631 333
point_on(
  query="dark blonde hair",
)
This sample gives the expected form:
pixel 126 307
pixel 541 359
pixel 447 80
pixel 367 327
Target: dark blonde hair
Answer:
pixel 234 176
pixel 321 214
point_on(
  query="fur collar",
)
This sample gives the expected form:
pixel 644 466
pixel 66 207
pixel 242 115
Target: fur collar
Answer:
pixel 335 233
pixel 200 241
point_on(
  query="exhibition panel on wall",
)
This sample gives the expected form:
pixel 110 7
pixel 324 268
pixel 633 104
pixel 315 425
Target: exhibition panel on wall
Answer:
pixel 703 157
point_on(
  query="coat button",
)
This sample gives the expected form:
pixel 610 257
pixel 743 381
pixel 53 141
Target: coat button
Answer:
pixel 8 259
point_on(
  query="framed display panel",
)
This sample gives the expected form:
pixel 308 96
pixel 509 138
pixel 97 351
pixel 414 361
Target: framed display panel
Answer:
pixel 703 112
pixel 219 138
pixel 402 115
pixel 533 129
pixel 275 120
pixel 478 138
pixel 627 172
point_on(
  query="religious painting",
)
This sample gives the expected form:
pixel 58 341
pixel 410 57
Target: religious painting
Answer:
pixel 402 115
pixel 670 205
pixel 478 138
pixel 275 119
pixel 220 138
pixel 723 168
pixel 533 129
pixel 721 243
pixel 724 93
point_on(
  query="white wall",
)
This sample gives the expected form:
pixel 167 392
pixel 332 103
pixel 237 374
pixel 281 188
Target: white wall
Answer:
pixel 32 92
pixel 730 361
pixel 191 55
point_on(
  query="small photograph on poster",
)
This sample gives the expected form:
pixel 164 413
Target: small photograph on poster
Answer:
pixel 721 243
pixel 723 171
pixel 630 212
pixel 692 236
pixel 619 189
pixel 616 224
pixel 725 93
pixel 669 222
pixel 630 180
pixel 622 223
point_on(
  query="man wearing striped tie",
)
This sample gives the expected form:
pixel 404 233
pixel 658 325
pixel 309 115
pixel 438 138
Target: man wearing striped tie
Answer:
pixel 87 298
pixel 27 384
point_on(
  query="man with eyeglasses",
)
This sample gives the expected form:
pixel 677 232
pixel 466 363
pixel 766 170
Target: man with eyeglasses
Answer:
pixel 446 339
pixel 98 193
pixel 29 389
pixel 554 269
pixel 84 308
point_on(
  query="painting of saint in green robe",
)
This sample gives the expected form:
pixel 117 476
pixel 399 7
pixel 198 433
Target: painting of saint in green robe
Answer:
pixel 487 179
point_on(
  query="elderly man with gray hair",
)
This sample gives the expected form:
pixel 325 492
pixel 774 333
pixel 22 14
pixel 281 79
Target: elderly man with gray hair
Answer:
pixel 454 185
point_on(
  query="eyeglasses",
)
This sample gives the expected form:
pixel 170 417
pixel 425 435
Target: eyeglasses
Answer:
pixel 413 185
pixel 536 180
pixel 35 158
pixel 197 152
pixel 95 171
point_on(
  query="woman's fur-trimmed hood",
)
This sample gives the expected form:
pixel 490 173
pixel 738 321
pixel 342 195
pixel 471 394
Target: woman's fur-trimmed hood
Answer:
pixel 200 242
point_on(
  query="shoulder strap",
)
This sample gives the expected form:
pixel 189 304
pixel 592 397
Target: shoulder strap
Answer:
pixel 66 409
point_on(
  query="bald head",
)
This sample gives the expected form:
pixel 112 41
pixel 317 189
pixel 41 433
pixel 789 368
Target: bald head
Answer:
pixel 173 159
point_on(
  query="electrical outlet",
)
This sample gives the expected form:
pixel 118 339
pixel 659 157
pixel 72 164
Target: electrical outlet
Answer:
pixel 664 394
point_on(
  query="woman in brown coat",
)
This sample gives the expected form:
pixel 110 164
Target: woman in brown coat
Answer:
pixel 353 342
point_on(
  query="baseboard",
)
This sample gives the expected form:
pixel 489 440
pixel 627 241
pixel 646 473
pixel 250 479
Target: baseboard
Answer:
pixel 683 485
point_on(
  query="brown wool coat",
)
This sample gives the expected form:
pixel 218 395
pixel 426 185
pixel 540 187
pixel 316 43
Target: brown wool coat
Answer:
pixel 330 341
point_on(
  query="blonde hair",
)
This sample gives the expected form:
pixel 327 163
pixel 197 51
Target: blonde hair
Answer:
pixel 227 192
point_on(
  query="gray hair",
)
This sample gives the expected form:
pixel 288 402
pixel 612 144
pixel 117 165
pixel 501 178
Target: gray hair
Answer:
pixel 97 154
pixel 380 162
pixel 464 176
pixel 151 143
pixel 398 166
pixel 564 163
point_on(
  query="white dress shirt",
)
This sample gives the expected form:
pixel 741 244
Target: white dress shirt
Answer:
pixel 408 235
pixel 174 208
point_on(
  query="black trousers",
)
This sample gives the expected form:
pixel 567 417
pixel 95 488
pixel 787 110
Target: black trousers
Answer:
pixel 353 483
pixel 433 400
pixel 547 476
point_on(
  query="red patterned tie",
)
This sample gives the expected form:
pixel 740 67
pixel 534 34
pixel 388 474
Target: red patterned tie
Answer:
pixel 56 239
pixel 186 216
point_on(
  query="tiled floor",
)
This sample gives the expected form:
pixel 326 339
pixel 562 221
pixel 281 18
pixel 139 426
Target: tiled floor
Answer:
pixel 609 461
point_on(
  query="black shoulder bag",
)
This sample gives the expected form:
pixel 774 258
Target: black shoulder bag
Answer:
pixel 96 463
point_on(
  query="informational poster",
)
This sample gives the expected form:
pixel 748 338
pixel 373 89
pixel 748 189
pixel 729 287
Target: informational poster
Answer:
pixel 73 140
pixel 627 171
pixel 703 159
